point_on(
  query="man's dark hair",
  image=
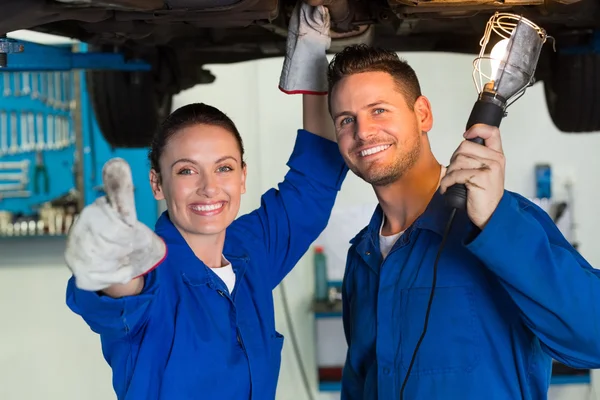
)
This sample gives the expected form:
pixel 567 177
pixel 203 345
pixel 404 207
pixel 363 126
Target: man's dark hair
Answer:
pixel 363 58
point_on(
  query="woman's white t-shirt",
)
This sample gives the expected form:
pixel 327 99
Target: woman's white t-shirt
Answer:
pixel 226 274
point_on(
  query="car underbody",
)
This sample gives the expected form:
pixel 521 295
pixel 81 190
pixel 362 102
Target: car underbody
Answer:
pixel 180 36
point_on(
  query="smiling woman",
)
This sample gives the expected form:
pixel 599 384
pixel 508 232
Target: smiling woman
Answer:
pixel 205 314
pixel 198 169
pixel 200 324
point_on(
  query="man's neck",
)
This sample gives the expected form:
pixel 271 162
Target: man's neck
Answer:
pixel 405 200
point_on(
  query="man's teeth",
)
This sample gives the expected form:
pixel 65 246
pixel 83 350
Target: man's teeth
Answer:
pixel 209 207
pixel 373 150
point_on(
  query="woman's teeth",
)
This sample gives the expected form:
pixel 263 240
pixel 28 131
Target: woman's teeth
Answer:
pixel 209 207
pixel 373 150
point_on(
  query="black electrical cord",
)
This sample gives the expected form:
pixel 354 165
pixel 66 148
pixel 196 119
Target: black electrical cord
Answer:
pixel 434 280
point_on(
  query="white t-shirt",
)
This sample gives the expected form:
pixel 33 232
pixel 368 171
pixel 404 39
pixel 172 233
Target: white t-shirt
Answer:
pixel 226 274
pixel 387 242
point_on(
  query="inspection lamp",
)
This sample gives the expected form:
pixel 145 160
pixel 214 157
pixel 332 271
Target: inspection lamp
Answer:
pixel 504 69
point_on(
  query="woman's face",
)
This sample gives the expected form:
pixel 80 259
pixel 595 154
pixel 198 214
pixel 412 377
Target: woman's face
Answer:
pixel 202 179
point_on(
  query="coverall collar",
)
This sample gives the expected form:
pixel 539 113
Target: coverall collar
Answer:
pixel 436 215
pixel 193 270
pixel 434 218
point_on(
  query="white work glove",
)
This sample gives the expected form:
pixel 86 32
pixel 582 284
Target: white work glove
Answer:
pixel 107 244
pixel 305 65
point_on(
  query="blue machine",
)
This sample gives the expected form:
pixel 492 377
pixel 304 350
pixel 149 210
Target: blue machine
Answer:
pixel 43 104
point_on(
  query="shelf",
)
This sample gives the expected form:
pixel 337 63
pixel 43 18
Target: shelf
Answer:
pixel 570 379
pixel 330 386
pixel 326 308
pixel 21 237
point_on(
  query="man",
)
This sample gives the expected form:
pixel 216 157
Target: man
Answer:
pixel 511 292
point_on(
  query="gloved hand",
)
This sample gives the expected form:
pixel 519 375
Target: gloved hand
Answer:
pixel 107 244
pixel 305 65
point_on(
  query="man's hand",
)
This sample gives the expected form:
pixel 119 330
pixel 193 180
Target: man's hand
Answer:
pixel 305 66
pixel 481 170
pixel 107 245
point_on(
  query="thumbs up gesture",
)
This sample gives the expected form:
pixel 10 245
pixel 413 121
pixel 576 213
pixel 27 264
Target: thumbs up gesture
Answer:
pixel 108 245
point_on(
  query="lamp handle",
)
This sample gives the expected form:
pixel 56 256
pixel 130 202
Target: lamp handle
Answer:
pixel 487 110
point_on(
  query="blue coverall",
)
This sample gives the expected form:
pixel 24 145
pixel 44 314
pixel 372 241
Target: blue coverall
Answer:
pixel 185 336
pixel 508 299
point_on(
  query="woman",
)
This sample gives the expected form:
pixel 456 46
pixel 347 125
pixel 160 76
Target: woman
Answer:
pixel 201 324
pixel 195 320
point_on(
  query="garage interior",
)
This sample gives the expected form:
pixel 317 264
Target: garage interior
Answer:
pixel 52 148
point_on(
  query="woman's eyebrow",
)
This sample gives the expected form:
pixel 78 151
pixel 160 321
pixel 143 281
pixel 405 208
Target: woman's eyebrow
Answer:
pixel 225 158
pixel 189 160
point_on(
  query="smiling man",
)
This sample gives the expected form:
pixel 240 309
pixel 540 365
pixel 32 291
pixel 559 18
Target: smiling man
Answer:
pixel 511 292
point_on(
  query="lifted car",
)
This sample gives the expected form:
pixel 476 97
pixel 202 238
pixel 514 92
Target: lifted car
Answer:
pixel 178 37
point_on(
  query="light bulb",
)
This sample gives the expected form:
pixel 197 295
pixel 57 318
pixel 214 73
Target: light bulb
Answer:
pixel 497 55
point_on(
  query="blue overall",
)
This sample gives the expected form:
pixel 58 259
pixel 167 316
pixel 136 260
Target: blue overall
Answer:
pixel 508 299
pixel 185 336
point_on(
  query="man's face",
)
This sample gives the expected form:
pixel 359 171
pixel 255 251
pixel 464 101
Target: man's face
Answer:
pixel 378 134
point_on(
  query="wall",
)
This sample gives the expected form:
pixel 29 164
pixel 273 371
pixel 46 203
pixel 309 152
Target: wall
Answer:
pixel 47 352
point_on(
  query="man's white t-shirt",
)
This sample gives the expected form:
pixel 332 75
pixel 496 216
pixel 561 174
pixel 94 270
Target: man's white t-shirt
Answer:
pixel 387 242
pixel 226 274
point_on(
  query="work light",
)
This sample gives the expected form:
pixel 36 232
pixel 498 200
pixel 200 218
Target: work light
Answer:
pixel 504 69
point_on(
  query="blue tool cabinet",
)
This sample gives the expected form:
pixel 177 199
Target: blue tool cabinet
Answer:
pixel 42 99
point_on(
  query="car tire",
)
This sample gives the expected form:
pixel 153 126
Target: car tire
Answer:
pixel 572 91
pixel 128 106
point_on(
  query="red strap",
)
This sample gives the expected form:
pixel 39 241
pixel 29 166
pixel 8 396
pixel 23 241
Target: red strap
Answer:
pixel 157 264
pixel 303 92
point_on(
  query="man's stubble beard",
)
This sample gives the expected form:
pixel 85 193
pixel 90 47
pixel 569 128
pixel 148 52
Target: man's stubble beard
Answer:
pixel 388 174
